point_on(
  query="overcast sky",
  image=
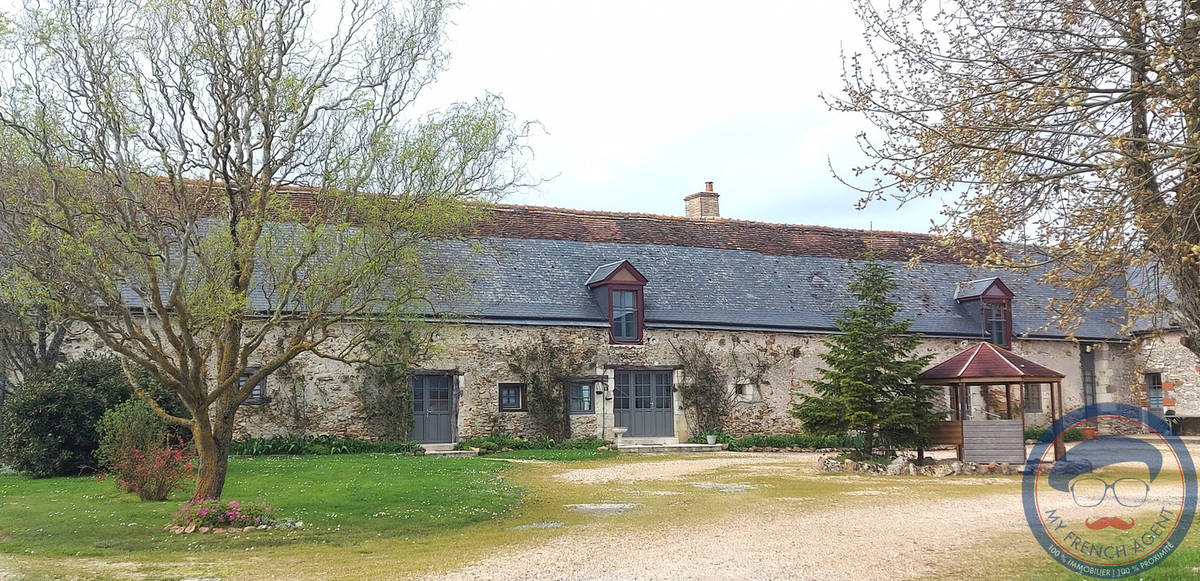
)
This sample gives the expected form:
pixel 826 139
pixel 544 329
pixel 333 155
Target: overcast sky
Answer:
pixel 642 102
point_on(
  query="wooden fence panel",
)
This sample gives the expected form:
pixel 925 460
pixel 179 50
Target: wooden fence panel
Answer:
pixel 949 432
pixel 993 441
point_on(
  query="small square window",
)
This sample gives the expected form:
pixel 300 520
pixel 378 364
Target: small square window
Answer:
pixel 581 399
pixel 259 395
pixel 1033 399
pixel 512 397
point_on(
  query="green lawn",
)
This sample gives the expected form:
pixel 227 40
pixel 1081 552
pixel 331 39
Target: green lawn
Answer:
pixel 373 515
pixel 340 499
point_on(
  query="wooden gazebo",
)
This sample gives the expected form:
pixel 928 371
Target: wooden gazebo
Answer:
pixel 992 436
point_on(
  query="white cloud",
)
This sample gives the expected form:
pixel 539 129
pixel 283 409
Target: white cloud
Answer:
pixel 644 101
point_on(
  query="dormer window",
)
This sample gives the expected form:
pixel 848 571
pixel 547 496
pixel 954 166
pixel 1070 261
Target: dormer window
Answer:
pixel 625 315
pixel 994 301
pixel 996 321
pixel 618 290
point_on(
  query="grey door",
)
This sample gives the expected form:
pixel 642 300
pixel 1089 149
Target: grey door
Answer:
pixel 432 396
pixel 643 402
pixel 1087 364
pixel 1154 394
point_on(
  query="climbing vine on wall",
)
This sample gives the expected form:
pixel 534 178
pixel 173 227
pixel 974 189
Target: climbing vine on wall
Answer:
pixel 291 402
pixel 706 391
pixel 387 401
pixel 384 393
pixel 545 366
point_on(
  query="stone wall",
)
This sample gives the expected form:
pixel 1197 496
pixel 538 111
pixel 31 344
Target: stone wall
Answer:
pixel 317 396
pixel 1180 371
pixel 477 354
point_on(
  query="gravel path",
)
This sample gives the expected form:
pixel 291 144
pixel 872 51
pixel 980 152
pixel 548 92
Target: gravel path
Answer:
pixel 676 468
pixel 783 541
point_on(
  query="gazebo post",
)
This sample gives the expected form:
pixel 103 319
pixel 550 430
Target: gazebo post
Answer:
pixel 1008 400
pixel 1022 410
pixel 1056 413
pixel 963 401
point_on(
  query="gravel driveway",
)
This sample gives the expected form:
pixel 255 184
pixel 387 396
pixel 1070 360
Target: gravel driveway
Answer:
pixel 889 538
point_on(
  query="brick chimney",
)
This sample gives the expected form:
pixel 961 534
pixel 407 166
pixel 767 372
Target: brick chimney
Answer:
pixel 703 204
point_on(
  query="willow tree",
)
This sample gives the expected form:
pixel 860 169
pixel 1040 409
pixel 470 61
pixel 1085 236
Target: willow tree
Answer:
pixel 1070 127
pixel 216 187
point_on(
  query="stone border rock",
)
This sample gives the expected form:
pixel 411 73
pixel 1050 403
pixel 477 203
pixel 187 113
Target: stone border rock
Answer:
pixel 905 466
pixel 192 528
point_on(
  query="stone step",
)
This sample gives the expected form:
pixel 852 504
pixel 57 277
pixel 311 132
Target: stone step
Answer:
pixel 668 448
pixel 451 453
pixel 438 447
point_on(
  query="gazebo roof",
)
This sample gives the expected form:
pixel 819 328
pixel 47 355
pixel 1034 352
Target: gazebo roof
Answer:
pixel 987 363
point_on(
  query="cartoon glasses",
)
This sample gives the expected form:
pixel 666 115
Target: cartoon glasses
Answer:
pixel 1128 492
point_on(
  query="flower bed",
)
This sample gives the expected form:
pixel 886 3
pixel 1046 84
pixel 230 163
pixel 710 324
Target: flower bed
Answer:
pixel 220 516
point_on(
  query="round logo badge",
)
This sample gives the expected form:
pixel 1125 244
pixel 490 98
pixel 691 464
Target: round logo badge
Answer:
pixel 1113 506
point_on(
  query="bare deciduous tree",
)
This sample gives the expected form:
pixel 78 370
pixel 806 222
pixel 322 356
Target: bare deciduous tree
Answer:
pixel 216 187
pixel 31 340
pixel 1070 126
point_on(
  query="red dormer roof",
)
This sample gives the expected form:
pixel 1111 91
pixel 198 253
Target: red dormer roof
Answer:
pixel 985 362
pixel 620 271
pixel 988 289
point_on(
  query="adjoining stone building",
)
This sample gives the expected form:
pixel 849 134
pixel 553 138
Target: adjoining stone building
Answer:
pixel 630 287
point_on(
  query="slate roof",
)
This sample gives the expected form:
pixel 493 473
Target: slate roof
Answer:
pixel 532 265
pixel 987 361
pixel 728 274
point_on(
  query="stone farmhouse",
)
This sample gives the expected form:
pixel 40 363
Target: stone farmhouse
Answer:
pixel 758 296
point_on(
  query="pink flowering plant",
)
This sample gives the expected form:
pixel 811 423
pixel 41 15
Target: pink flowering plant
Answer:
pixel 155 473
pixel 218 513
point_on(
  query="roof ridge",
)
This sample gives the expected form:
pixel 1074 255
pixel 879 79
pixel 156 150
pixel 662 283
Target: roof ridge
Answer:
pixel 674 218
pixel 548 223
pixel 970 359
pixel 1006 359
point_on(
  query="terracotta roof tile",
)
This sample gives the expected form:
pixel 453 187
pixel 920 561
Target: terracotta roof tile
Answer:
pixel 531 222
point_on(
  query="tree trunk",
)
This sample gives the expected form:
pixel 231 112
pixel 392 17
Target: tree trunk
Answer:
pixel 868 442
pixel 212 447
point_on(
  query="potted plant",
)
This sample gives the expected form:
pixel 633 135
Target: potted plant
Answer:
pixel 712 439
pixel 1089 432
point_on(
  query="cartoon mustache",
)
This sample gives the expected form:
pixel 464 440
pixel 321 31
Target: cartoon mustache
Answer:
pixel 1109 521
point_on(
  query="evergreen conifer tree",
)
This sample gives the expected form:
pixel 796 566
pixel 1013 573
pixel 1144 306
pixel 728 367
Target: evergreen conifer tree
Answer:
pixel 868 383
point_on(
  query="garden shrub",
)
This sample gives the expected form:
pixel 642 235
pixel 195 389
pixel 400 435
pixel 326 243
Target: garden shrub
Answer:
pixel 782 441
pixel 50 422
pixel 156 472
pixel 219 513
pixel 501 442
pixel 1071 435
pixel 129 428
pixel 313 445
